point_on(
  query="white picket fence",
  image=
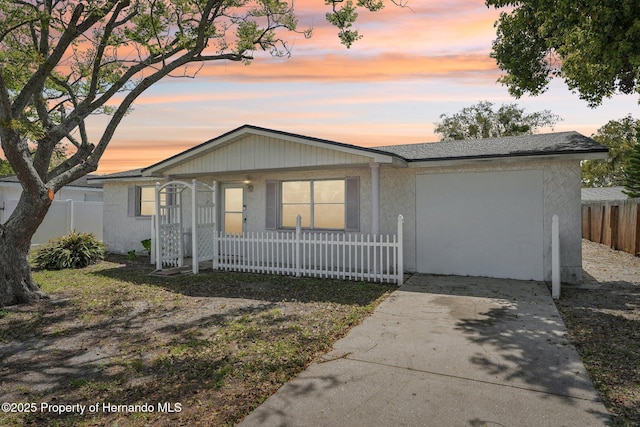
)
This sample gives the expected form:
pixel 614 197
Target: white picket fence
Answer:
pixel 346 256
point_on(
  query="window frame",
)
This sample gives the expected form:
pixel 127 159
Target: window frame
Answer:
pixel 139 200
pixel 312 204
pixel 135 201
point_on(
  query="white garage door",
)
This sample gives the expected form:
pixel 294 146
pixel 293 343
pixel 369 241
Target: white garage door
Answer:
pixel 481 224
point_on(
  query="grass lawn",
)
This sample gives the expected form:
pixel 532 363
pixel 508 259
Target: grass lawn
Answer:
pixel 188 350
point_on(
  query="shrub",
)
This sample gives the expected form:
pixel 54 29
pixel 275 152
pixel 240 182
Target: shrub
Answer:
pixel 75 250
pixel 146 243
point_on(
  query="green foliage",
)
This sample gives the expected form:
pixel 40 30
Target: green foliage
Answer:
pixel 5 168
pixel 620 136
pixel 481 121
pixel 146 243
pixel 61 62
pixel 632 180
pixel 75 250
pixel 345 16
pixel 592 45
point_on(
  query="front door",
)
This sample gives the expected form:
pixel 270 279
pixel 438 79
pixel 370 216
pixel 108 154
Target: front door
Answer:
pixel 233 208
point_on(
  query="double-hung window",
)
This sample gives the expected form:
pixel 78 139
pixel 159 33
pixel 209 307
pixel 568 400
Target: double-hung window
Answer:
pixel 320 203
pixel 323 204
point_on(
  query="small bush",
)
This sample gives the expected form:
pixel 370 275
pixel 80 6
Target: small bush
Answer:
pixel 75 250
pixel 146 243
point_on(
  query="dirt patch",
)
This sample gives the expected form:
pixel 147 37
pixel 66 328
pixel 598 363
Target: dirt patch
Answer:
pixel 603 320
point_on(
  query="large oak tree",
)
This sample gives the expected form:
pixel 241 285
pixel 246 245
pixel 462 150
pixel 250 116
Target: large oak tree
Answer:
pixel 61 61
pixel 591 44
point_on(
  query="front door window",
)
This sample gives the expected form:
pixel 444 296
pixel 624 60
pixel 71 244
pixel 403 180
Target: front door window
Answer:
pixel 233 210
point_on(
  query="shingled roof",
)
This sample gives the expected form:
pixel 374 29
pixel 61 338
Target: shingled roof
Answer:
pixel 84 181
pixel 513 146
pixel 559 143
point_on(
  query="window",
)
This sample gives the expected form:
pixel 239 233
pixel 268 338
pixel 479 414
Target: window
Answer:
pixel 320 203
pixel 328 204
pixel 147 202
pixel 142 201
pixel 233 210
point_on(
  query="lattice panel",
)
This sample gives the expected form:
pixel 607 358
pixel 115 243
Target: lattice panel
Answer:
pixel 170 237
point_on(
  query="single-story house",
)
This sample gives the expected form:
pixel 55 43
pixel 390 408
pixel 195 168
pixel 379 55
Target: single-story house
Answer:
pixel 77 206
pixel 471 207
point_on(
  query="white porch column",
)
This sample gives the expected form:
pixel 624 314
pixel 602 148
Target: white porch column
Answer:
pixel 375 197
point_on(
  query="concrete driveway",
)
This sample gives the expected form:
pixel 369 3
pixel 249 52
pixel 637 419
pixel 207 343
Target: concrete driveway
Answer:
pixel 446 351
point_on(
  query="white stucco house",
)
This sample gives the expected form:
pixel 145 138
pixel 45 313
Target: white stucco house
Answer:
pixel 473 207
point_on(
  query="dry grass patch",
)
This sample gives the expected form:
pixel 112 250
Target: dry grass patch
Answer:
pixel 603 320
pixel 218 344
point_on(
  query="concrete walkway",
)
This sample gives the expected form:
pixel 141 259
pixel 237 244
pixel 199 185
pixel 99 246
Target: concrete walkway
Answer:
pixel 446 351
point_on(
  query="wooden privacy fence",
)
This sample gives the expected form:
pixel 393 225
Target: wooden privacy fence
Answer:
pixel 350 256
pixel 615 224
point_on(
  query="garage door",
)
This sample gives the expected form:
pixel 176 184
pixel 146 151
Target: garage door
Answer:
pixel 481 224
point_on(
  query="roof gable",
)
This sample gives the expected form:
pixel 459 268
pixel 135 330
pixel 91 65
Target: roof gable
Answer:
pixel 250 148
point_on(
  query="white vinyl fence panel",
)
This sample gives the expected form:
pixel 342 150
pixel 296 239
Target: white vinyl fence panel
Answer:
pixel 63 217
pixel 351 256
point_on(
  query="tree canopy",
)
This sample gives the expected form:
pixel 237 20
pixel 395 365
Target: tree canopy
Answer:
pixel 481 120
pixel 591 44
pixel 632 178
pixel 63 61
pixel 620 136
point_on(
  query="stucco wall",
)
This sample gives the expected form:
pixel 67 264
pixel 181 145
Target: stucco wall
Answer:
pixel 121 232
pixel 561 187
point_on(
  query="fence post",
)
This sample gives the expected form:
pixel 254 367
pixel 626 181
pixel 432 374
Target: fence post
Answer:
pixel 555 258
pixel 152 249
pixel 216 242
pixel 195 266
pixel 297 244
pixel 157 242
pixel 70 219
pixel 400 263
pixel 614 218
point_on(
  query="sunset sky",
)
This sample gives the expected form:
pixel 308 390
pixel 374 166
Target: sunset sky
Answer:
pixel 412 65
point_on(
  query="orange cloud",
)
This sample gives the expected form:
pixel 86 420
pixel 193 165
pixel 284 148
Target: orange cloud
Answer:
pixel 338 67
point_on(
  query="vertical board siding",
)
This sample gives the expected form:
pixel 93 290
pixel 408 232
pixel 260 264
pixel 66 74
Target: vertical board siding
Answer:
pixel 615 224
pixel 262 152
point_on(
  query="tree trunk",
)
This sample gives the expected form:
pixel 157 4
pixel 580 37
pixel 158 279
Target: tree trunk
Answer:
pixel 16 283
